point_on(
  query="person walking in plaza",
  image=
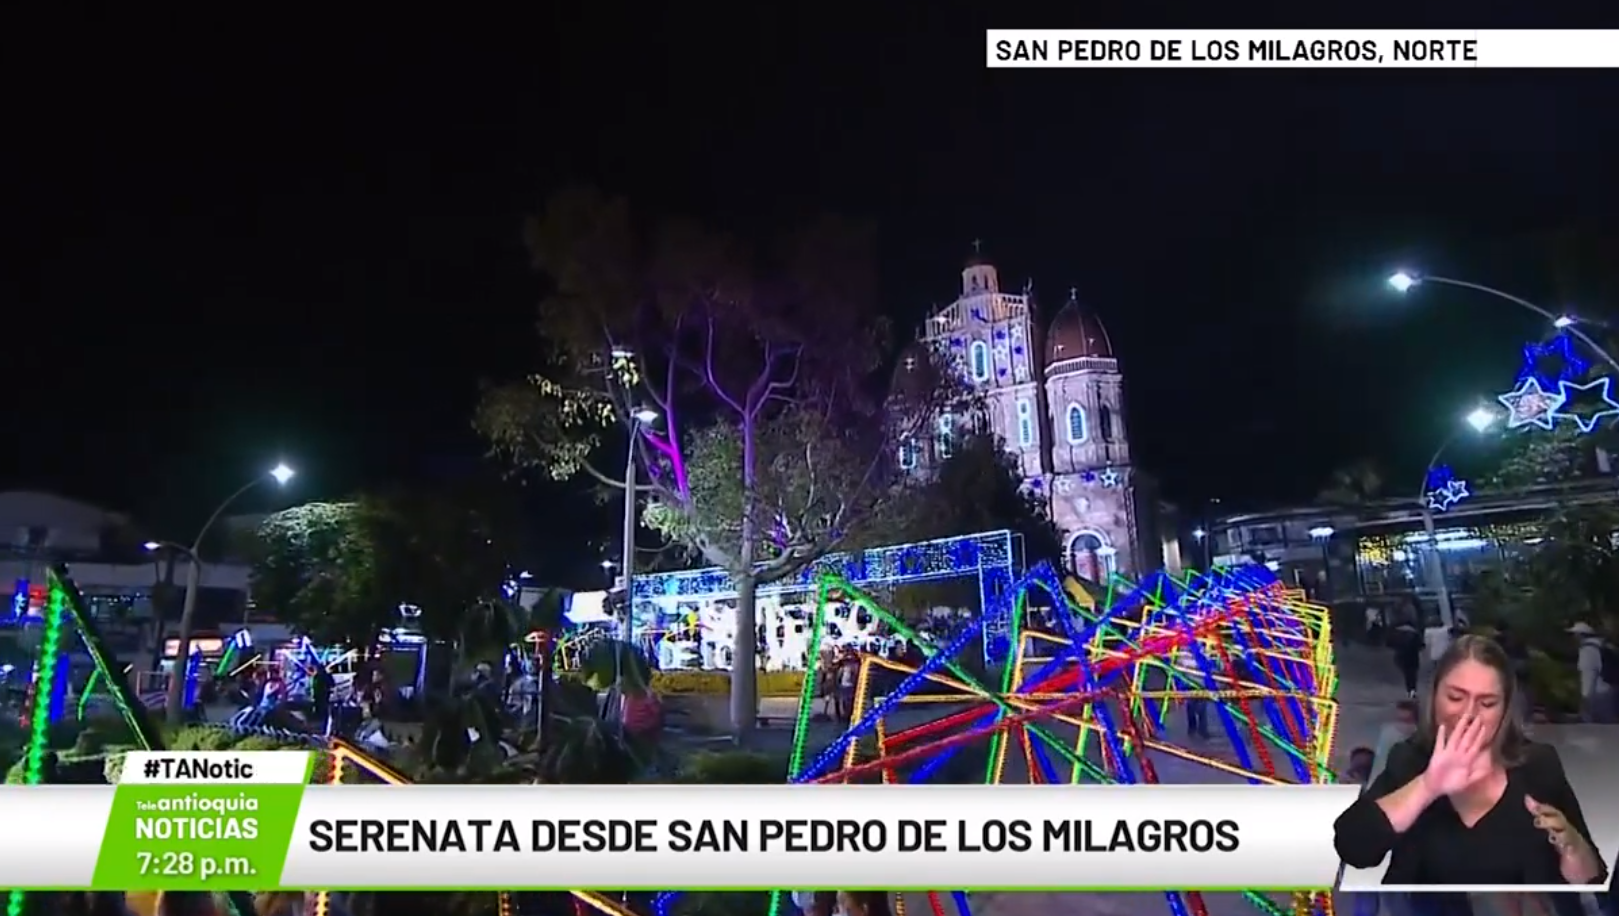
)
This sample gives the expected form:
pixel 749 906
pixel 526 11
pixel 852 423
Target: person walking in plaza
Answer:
pixel 1598 666
pixel 1197 708
pixel 1406 644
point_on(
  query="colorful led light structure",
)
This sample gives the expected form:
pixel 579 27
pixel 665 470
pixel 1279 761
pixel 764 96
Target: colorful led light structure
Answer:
pixel 987 556
pixel 65 608
pixel 1089 703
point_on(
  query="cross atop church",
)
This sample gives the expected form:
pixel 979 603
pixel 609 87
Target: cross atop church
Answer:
pixel 978 246
pixel 910 362
pixel 1073 294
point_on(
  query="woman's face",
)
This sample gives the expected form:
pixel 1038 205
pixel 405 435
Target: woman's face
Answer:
pixel 1470 689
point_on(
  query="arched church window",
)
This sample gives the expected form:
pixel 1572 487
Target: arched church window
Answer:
pixel 1107 424
pixel 947 430
pixel 908 454
pixel 1025 423
pixel 1077 431
pixel 980 361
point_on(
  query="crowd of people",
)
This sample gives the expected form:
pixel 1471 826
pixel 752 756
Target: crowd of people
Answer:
pixel 1416 650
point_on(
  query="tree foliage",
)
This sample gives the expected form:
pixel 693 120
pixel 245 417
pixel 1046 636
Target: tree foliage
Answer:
pixel 314 566
pixel 1354 484
pixel 773 443
pixel 1572 572
pixel 340 571
pixel 980 487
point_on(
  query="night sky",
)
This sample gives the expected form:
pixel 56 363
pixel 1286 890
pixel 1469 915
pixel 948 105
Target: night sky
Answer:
pixel 217 259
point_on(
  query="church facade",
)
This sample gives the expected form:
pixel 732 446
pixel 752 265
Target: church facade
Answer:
pixel 1054 395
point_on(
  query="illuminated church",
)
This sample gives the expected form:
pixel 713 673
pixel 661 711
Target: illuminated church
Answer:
pixel 1054 395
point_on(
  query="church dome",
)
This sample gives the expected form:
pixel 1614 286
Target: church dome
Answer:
pixel 1077 334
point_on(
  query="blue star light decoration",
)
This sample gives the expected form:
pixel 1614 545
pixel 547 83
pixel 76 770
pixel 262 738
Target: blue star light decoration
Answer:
pixel 1587 420
pixel 1109 478
pixel 1559 349
pixel 1445 489
pixel 1531 404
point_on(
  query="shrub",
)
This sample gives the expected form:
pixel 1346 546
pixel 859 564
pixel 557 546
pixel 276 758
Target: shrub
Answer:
pixel 265 743
pixel 190 738
pixel 1553 685
pixel 112 767
pixel 718 683
pixel 218 739
pixel 99 733
pixel 733 768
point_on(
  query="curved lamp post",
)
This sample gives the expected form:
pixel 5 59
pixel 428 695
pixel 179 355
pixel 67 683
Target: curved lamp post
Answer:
pixel 1404 282
pixel 1478 421
pixel 174 706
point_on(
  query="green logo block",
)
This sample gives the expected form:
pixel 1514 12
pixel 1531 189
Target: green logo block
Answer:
pixel 190 837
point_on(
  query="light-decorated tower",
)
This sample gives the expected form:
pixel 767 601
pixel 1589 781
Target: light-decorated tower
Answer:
pixel 989 335
pixel 1094 490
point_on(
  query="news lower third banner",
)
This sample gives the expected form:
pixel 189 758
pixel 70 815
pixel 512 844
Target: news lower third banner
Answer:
pixel 248 821
pixel 1282 48
pixel 1589 754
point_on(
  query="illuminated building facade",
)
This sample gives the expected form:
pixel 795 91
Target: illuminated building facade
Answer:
pixel 1053 393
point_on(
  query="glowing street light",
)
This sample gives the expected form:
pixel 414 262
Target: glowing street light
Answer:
pixel 281 473
pixel 1481 419
pixel 1404 281
pixel 646 416
pixel 1322 532
pixel 1199 533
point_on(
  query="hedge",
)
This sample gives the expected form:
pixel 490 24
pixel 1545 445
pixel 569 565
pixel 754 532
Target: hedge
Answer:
pixel 718 683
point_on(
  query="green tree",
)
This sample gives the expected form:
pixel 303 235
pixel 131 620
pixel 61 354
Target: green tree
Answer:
pixel 1353 485
pixel 314 566
pixel 772 446
pixel 980 487
pixel 340 571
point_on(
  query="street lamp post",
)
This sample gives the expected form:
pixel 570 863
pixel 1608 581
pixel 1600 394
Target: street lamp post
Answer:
pixel 1479 420
pixel 1404 282
pixel 174 706
pixel 1322 534
pixel 641 417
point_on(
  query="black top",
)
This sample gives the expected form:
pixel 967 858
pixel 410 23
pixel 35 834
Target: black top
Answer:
pixel 1504 847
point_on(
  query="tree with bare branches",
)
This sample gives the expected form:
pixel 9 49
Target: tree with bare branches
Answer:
pixel 775 443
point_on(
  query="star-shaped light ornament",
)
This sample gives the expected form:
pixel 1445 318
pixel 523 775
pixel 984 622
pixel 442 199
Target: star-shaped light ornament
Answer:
pixel 1586 419
pixel 1558 354
pixel 1441 499
pixel 1530 404
pixel 1109 478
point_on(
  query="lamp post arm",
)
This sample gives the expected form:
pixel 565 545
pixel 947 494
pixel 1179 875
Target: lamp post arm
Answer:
pixel 1547 314
pixel 197 545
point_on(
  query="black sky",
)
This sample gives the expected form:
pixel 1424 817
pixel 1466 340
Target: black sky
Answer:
pixel 220 254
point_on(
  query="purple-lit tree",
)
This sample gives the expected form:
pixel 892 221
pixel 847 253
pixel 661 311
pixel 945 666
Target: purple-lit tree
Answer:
pixel 775 442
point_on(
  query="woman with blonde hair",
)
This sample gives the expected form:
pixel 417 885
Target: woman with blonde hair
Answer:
pixel 1469 799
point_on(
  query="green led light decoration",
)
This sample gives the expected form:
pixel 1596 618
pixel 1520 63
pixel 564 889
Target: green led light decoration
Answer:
pixel 39 713
pixel 66 606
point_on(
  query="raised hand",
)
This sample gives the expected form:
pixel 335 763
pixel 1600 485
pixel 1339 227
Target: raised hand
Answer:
pixel 1574 855
pixel 1459 758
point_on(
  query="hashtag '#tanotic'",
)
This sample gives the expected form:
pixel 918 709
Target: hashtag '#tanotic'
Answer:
pixel 153 767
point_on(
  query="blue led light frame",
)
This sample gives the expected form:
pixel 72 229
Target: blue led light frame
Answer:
pixel 989 556
pixel 1161 601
